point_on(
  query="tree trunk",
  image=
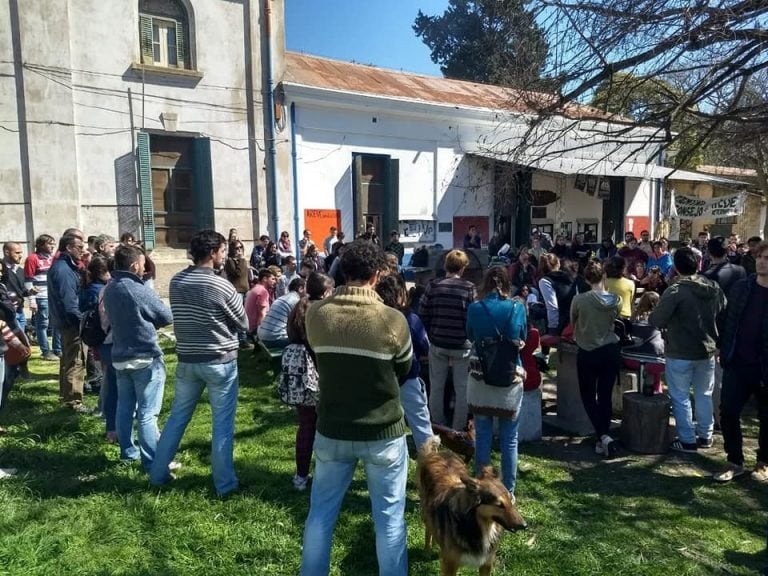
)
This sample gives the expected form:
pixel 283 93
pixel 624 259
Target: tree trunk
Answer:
pixel 761 167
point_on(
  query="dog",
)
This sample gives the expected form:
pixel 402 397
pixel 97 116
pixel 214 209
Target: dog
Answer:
pixel 462 443
pixel 466 516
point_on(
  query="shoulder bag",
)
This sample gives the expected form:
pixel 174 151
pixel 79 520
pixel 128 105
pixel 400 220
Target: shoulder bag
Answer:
pixel 498 354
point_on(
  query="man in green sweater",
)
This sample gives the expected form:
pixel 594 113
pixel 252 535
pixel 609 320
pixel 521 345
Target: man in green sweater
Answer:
pixel 362 348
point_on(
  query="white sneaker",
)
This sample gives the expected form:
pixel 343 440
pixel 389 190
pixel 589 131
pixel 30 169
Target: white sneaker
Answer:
pixel 7 473
pixel 300 482
pixel 609 445
pixel 599 448
pixel 173 466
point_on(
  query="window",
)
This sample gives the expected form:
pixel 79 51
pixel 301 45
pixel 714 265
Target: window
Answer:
pixel 164 34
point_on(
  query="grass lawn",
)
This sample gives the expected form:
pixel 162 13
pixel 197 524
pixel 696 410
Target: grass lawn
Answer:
pixel 74 509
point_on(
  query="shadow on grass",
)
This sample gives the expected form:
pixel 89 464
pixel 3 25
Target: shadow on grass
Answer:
pixel 653 499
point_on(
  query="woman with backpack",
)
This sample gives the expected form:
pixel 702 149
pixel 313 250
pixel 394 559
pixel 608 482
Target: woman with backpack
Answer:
pixel 297 383
pixel 497 320
pixel 95 279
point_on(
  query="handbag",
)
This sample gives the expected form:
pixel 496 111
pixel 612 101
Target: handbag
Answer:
pixel 297 383
pixel 17 352
pixel 498 354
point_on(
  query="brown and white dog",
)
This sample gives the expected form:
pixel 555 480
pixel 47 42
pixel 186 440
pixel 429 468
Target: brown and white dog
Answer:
pixel 464 515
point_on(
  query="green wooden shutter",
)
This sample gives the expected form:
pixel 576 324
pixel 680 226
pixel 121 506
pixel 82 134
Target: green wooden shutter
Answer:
pixel 358 224
pixel 203 183
pixel 181 47
pixel 145 190
pixel 392 215
pixel 145 38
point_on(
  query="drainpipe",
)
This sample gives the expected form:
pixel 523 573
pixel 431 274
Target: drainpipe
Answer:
pixel 659 187
pixel 269 98
pixel 295 170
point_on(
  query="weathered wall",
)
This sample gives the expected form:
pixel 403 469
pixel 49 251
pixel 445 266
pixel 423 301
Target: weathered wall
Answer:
pixel 78 56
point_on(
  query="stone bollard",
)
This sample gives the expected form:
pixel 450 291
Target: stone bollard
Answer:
pixel 570 410
pixel 627 383
pixel 529 429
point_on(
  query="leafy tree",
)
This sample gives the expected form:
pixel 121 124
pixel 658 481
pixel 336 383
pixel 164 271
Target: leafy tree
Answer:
pixel 489 41
pixel 646 101
pixel 711 49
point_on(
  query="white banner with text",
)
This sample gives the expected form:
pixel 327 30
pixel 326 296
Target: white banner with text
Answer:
pixel 718 207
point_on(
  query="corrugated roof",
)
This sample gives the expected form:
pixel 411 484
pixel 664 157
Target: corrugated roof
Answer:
pixel 318 72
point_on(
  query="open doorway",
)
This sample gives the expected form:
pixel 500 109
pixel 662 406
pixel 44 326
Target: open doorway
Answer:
pixel 375 192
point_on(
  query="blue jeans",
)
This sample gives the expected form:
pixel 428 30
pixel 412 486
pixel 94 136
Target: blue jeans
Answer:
pixel 222 383
pixel 413 397
pixel 41 329
pixel 507 445
pixel 680 376
pixel 140 392
pixel 386 470
pixel 108 388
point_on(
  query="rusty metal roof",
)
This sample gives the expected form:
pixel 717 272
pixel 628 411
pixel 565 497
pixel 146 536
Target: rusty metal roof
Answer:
pixel 319 72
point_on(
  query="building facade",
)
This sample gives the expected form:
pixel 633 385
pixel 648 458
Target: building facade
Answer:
pixel 430 156
pixel 144 116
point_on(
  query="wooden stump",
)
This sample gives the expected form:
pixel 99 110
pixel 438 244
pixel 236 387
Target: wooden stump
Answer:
pixel 645 426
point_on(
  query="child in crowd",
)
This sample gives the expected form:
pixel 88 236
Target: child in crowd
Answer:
pixel 651 341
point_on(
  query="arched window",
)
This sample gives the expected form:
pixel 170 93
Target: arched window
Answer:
pixel 164 33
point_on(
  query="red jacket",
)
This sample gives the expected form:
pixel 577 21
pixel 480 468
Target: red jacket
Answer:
pixel 532 374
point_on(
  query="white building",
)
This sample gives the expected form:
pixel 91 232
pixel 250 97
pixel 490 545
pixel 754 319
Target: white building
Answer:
pixel 92 89
pixel 429 156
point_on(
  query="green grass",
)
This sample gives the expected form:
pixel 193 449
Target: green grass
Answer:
pixel 75 509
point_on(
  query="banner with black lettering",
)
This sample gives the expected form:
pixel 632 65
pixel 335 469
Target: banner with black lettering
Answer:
pixel 719 207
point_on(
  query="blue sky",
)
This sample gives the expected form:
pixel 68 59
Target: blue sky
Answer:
pixel 367 31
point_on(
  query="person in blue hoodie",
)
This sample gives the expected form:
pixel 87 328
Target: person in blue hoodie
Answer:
pixel 135 312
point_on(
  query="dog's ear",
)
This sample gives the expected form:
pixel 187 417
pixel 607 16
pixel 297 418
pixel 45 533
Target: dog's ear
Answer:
pixel 472 486
pixel 488 472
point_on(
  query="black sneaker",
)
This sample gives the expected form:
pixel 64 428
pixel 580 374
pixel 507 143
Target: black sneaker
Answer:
pixel 705 443
pixel 679 446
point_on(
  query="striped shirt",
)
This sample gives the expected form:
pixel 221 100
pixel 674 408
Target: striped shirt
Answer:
pixel 36 268
pixel 443 310
pixel 207 314
pixel 275 323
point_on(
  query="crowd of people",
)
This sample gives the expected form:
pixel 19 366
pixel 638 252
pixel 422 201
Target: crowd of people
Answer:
pixel 344 311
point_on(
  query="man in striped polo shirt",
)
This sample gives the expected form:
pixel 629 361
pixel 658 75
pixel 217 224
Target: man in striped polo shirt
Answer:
pixel 36 268
pixel 362 348
pixel 443 310
pixel 207 315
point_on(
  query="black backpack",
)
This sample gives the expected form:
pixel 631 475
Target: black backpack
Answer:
pixel 90 328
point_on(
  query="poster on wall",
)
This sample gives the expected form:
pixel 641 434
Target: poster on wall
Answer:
pixel 636 224
pixel 718 207
pixel 417 230
pixel 604 189
pixel 591 185
pixel 319 223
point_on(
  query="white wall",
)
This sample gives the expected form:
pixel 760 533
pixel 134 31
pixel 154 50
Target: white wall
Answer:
pixel 438 179
pixel 78 57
